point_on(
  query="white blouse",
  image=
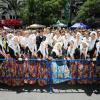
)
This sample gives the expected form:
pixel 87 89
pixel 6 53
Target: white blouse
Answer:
pixel 91 43
pixel 71 51
pixel 43 49
pixel 57 39
pixel 15 46
pixel 32 43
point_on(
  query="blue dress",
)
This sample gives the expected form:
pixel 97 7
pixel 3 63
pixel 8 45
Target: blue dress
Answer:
pixel 60 72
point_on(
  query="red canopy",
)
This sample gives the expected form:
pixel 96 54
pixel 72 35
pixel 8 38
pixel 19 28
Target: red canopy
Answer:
pixel 11 22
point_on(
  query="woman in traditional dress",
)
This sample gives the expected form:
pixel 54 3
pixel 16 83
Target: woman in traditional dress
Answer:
pixel 92 51
pixel 23 43
pixel 71 49
pixel 50 43
pixel 9 40
pixel 32 43
pixel 92 44
pixel 2 61
pixel 2 51
pixel 70 58
pixel 83 65
pixel 14 48
pixel 31 64
pixel 65 41
pixel 77 45
pixel 98 60
pixel 2 43
pixel 57 37
pixel 15 66
pixel 60 71
pixel 42 65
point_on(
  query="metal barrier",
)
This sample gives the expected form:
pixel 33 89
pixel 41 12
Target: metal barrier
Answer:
pixel 44 72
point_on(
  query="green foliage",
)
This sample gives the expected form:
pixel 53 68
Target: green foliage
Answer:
pixel 42 11
pixel 88 12
pixel 8 5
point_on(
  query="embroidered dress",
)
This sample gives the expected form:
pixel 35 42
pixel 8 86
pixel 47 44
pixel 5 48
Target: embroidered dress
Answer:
pixel 42 73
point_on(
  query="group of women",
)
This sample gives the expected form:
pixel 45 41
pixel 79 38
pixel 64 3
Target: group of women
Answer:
pixel 45 56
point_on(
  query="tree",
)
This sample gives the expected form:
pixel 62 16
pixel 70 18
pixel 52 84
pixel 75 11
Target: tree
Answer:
pixel 89 13
pixel 71 8
pixel 42 11
pixel 11 5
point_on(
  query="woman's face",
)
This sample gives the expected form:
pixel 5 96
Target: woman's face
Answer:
pixel 58 46
pixel 84 45
pixel 72 43
pixel 16 39
pixel 93 36
pixel 78 36
pixel 57 33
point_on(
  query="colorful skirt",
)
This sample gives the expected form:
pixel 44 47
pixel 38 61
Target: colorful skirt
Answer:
pixel 19 73
pixel 83 72
pixel 15 73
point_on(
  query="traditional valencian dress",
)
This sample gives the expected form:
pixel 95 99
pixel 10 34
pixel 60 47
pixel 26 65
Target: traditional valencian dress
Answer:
pixel 42 66
pixel 83 65
pixel 23 41
pixel 77 45
pixel 60 71
pixel 31 65
pixel 1 48
pixel 98 52
pixel 92 45
pixel 72 64
pixel 98 60
pixel 65 41
pixel 86 68
pixel 12 69
pixel 2 57
pixel 32 43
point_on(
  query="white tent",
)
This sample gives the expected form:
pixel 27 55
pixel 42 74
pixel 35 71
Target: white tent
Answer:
pixel 34 26
pixel 59 24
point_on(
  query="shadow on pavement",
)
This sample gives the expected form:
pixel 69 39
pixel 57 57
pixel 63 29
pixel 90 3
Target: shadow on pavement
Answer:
pixel 59 88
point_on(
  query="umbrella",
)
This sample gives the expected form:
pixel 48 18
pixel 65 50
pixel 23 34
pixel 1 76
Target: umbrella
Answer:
pixel 59 24
pixel 80 25
pixel 35 26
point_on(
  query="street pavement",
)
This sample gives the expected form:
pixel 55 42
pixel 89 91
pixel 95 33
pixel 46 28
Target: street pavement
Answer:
pixel 60 92
pixel 46 96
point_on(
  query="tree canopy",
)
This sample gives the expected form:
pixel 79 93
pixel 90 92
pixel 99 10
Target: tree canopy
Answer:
pixel 14 5
pixel 50 11
pixel 42 11
pixel 89 13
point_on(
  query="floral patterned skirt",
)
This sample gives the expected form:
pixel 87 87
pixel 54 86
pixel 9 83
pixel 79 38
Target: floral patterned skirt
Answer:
pixel 15 73
pixel 83 72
